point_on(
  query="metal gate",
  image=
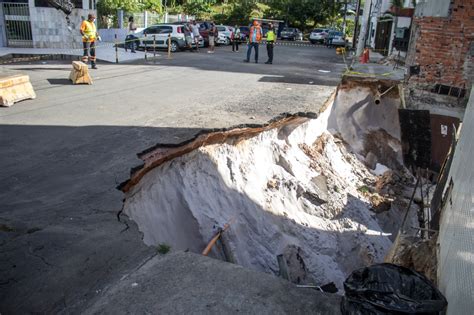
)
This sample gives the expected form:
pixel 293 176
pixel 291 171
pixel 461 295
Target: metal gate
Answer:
pixel 17 24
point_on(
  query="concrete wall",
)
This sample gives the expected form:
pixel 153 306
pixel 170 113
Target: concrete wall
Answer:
pixel 50 29
pixel 456 249
pixel 434 8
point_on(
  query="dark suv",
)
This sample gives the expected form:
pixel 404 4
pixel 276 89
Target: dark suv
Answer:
pixel 291 33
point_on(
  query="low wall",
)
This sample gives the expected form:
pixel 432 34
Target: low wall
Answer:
pixel 49 28
pixel 108 34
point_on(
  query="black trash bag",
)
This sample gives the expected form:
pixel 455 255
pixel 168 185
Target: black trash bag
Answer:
pixel 390 289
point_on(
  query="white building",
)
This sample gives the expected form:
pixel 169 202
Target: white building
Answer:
pixel 384 26
pixel 33 23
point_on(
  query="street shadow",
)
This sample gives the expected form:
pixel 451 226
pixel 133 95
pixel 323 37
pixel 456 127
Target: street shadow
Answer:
pixel 59 81
pixel 42 68
pixel 60 239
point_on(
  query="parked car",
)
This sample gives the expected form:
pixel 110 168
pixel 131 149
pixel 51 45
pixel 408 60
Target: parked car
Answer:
pixel 204 27
pixel 318 35
pixel 224 35
pixel 291 33
pixel 157 36
pixel 335 38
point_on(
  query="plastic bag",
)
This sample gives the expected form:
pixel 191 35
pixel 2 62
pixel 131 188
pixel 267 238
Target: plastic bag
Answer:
pixel 390 289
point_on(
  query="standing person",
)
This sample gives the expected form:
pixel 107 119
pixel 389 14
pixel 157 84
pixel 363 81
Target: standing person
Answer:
pixel 212 38
pixel 89 36
pixel 271 39
pixel 254 40
pixel 188 36
pixel 236 38
pixel 132 27
pixel 195 28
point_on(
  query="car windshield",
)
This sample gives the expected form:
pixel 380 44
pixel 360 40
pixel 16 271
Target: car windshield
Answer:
pixel 288 30
pixel 317 30
pixel 335 33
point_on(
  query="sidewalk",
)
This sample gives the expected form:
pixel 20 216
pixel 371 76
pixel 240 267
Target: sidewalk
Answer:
pixel 105 52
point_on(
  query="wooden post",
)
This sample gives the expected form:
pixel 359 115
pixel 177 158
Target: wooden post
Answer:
pixel 169 46
pixel 116 49
pixel 154 48
pixel 144 42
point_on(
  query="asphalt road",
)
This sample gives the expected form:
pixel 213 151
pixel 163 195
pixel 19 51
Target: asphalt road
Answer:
pixel 63 154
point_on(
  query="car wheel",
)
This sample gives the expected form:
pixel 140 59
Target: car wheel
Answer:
pixel 137 45
pixel 174 46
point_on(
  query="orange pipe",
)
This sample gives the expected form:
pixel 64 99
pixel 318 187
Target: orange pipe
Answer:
pixel 213 241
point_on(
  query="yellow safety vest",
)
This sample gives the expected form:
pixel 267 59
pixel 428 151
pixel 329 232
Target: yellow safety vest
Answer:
pixel 270 36
pixel 89 30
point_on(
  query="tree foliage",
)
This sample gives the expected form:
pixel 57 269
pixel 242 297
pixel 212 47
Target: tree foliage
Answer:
pixel 197 8
pixel 110 7
pixel 304 14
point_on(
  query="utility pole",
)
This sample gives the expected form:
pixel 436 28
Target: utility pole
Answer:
pixel 356 25
pixel 363 28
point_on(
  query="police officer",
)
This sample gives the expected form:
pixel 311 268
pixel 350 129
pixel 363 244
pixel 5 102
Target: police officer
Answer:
pixel 271 38
pixel 89 37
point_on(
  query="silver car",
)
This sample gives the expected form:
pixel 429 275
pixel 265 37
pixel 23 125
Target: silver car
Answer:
pixel 158 36
pixel 224 34
pixel 318 35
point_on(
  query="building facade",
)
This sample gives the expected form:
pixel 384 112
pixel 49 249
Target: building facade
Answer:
pixel 35 24
pixel 442 48
pixel 389 27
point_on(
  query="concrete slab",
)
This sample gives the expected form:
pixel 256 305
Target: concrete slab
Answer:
pixel 194 284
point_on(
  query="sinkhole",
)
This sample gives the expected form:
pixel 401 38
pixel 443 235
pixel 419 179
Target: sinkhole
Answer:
pixel 325 190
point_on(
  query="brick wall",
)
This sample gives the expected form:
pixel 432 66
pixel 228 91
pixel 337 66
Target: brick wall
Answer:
pixel 442 46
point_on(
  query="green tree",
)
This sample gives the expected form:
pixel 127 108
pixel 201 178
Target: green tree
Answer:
pixel 152 6
pixel 198 8
pixel 302 13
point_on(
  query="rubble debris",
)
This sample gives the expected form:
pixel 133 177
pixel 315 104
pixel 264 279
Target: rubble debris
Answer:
pixel 383 148
pixel 417 254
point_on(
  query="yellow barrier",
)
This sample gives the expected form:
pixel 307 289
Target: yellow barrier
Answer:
pixel 15 88
pixel 80 73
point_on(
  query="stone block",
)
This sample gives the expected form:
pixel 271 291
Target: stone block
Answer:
pixel 14 89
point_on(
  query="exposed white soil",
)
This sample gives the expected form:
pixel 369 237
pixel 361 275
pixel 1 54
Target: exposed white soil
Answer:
pixel 296 190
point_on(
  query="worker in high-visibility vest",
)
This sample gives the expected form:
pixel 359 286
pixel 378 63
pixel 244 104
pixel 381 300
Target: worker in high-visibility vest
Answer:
pixel 89 37
pixel 254 40
pixel 271 39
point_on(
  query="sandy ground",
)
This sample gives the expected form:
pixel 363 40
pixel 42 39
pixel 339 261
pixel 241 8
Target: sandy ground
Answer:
pixel 63 154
